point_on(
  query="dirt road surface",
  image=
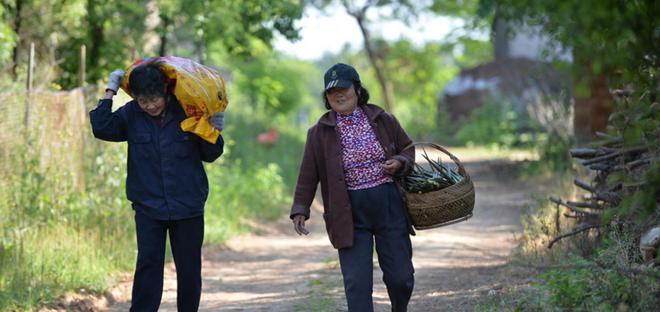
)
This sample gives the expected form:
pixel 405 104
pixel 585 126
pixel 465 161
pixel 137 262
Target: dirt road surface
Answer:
pixel 275 270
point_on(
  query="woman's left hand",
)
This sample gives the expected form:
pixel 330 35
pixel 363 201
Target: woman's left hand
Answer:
pixel 391 166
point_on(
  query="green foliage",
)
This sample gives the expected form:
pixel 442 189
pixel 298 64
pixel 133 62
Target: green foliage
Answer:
pixel 637 123
pixel 497 124
pixel 553 153
pixel 470 52
pixel 286 152
pixel 57 239
pixel 241 197
pixel 117 32
pixel 611 277
pixel 273 84
pixel 7 38
pixel 604 282
pixel 466 9
pixel 419 75
pixel 599 284
pixel 606 37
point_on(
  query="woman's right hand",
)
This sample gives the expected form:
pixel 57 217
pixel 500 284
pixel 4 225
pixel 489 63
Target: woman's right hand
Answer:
pixel 299 224
pixel 115 80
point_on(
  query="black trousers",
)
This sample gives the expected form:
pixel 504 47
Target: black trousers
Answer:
pixel 378 212
pixel 186 237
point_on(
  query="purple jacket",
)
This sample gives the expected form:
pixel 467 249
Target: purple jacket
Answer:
pixel 322 162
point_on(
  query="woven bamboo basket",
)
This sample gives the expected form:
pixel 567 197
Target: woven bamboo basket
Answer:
pixel 445 206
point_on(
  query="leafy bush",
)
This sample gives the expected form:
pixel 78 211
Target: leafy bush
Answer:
pixel 497 124
pixel 581 284
pixel 238 194
pixel 56 238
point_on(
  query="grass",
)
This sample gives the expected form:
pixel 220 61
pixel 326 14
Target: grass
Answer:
pixel 567 278
pixel 237 193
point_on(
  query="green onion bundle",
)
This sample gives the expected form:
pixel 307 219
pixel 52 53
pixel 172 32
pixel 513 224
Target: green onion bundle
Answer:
pixel 423 180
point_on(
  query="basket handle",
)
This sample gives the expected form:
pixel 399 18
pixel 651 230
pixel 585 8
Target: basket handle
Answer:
pixel 455 159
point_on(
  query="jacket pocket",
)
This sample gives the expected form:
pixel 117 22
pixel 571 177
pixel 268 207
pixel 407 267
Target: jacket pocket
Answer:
pixel 139 143
pixel 183 145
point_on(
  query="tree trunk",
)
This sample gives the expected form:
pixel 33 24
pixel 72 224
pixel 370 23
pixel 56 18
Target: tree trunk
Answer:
pixel 385 85
pixel 591 112
pixel 163 34
pixel 96 35
pixel 501 42
pixel 17 30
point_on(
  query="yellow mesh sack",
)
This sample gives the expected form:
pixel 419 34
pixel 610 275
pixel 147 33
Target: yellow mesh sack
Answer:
pixel 199 89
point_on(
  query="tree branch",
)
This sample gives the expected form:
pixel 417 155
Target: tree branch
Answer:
pixel 574 232
pixel 584 152
pixel 584 205
pixel 634 164
pixel 584 185
pixel 614 155
pixel 571 207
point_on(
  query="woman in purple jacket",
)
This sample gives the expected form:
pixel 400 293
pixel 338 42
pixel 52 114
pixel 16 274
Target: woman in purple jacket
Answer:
pixel 355 151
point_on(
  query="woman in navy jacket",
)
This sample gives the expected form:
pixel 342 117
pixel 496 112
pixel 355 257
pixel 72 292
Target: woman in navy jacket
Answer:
pixel 166 182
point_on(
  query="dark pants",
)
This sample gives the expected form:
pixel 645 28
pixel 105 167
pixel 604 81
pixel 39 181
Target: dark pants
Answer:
pixel 378 212
pixel 186 238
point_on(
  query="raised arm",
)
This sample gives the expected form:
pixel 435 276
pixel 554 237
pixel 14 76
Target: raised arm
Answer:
pixel 106 124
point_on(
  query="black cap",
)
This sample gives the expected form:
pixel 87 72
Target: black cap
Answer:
pixel 340 75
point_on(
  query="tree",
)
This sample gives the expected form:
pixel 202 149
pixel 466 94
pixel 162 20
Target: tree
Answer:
pixel 7 36
pixel 115 32
pixel 404 10
pixel 614 43
pixel 358 9
pixel 234 24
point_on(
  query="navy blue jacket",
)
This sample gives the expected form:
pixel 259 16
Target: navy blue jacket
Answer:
pixel 166 179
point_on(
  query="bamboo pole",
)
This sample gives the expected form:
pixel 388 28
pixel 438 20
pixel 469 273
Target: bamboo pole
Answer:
pixel 30 74
pixel 83 60
pixel 80 181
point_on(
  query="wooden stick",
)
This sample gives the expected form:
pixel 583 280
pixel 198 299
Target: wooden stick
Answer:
pixel 621 92
pixel 28 97
pixel 614 155
pixel 584 205
pixel 81 67
pixel 571 207
pixel 610 197
pixel 574 232
pixel 636 163
pixel 604 135
pixel 609 139
pixel 584 185
pixel 601 167
pixel 583 152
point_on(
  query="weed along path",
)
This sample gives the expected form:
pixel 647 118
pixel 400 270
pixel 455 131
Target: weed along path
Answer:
pixel 276 270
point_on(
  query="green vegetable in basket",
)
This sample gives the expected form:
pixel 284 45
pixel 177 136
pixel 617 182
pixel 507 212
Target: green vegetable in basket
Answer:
pixel 436 177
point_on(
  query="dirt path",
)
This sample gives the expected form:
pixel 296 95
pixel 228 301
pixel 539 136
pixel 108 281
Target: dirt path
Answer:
pixel 275 270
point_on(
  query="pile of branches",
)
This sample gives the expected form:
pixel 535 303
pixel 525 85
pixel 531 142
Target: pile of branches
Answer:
pixel 622 166
pixel 436 177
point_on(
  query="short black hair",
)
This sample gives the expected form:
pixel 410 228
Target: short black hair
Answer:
pixel 362 92
pixel 147 80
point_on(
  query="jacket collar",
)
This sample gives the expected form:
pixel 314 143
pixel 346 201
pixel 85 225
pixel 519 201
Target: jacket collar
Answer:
pixel 372 111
